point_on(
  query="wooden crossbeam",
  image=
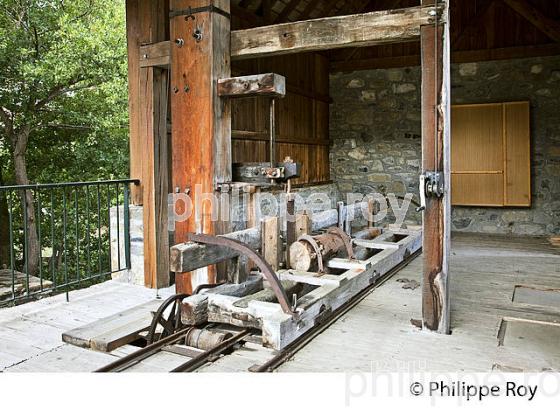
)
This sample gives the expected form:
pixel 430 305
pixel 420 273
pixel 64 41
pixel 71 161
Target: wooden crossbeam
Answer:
pixel 264 85
pixel 545 24
pixel 359 30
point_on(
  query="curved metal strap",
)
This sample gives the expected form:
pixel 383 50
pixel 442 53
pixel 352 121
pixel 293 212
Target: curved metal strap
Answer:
pixel 262 264
pixel 345 238
pixel 311 241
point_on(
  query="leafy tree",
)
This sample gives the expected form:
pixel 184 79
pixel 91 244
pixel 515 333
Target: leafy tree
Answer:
pixel 63 97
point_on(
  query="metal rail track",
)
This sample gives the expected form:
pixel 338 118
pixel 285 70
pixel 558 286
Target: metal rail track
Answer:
pixel 192 364
pixel 269 366
pixel 289 351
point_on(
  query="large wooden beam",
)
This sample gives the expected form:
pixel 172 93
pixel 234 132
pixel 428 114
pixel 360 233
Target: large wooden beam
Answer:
pixel 154 87
pixel 146 22
pixel 190 256
pixel 359 30
pixel 148 95
pixel 201 126
pixel 544 23
pixel 435 45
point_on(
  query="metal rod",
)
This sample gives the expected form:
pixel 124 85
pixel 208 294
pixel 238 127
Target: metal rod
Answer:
pixel 88 234
pixel 64 225
pixel 68 184
pixel 11 221
pixel 137 356
pixel 118 232
pixel 272 130
pixel 126 222
pixel 53 248
pixel 77 234
pixel 39 240
pixel 98 229
pixel 26 242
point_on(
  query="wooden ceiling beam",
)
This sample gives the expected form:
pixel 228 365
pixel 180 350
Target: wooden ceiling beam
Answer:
pixel 537 18
pixel 359 30
pixel 308 9
pixel 283 16
pixel 473 22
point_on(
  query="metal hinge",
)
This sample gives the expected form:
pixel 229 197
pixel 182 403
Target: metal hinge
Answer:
pixel 431 185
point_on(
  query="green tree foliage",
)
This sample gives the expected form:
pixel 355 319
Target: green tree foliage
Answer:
pixel 63 98
pixel 63 78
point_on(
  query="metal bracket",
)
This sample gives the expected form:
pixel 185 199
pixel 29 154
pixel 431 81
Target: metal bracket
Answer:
pixel 431 185
pixel 311 241
pixel 189 12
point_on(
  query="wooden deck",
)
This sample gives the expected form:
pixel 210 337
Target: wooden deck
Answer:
pixel 378 335
pixel 490 331
pixel 31 334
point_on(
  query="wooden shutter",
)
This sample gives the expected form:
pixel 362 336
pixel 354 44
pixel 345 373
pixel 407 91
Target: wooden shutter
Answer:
pixel 490 160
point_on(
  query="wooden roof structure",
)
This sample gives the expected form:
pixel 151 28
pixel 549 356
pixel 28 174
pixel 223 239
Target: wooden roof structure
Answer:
pixel 480 30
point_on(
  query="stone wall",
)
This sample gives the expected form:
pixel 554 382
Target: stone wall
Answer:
pixel 375 129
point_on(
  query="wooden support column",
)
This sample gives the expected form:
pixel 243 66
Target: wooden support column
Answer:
pixel 147 22
pixel 436 156
pixel 201 121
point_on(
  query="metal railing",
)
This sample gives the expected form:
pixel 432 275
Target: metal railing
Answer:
pixel 57 237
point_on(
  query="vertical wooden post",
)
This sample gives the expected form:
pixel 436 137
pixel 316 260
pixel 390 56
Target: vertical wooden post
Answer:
pixel 147 22
pixel 270 234
pixel 154 87
pixel 201 121
pixel 436 157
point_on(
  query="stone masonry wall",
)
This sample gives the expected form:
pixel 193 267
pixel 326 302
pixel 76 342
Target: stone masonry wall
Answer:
pixel 375 130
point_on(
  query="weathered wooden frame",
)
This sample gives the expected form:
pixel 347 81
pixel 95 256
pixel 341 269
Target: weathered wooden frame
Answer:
pixel 280 329
pixel 349 31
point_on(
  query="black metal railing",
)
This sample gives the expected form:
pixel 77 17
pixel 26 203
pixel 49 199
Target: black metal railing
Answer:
pixel 58 237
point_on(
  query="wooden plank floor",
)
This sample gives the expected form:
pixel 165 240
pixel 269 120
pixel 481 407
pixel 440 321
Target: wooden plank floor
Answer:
pixel 377 334
pixel 31 334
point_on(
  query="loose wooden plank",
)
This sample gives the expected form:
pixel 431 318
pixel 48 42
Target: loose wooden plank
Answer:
pixel 259 85
pixel 114 331
pixel 359 30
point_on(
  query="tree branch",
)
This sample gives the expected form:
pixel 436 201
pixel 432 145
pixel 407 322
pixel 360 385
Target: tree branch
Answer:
pixel 57 91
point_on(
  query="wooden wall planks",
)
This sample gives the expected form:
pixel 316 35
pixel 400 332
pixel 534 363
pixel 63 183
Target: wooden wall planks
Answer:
pixel 302 117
